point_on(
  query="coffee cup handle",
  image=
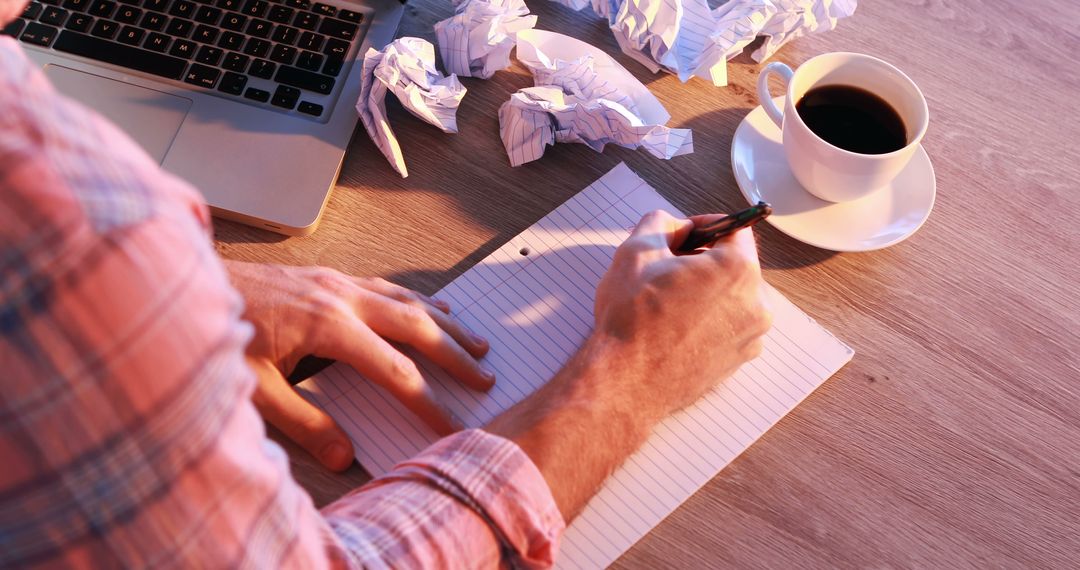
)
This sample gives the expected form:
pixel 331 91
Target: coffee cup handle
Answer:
pixel 765 97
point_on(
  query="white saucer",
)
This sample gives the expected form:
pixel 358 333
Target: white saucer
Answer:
pixel 879 220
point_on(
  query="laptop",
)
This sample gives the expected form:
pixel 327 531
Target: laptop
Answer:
pixel 251 101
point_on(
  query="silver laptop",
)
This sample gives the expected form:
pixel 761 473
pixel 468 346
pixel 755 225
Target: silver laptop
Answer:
pixel 251 101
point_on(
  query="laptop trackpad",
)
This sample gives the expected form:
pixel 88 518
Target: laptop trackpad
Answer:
pixel 150 117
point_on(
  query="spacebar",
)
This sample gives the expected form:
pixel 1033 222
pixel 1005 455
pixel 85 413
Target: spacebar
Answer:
pixel 120 54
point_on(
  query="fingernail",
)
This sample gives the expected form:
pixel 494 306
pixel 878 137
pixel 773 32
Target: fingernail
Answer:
pixel 489 375
pixel 456 421
pixel 478 339
pixel 440 303
pixel 335 454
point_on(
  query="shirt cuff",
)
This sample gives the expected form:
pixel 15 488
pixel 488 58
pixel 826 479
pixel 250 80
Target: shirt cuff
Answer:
pixel 495 479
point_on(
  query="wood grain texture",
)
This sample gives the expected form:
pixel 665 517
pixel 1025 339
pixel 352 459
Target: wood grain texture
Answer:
pixel 953 437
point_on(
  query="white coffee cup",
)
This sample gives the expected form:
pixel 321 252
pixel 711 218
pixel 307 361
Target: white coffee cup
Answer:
pixel 826 171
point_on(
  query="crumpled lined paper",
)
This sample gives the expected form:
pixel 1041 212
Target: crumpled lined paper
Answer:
pixel 582 95
pixel 406 68
pixel 686 38
pixel 795 18
pixel 477 40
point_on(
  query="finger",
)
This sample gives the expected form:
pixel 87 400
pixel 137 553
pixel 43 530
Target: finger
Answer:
pixel 696 221
pixel 384 365
pixel 658 231
pixel 417 328
pixel 476 345
pixel 298 419
pixel 400 293
pixel 740 246
pixel 438 310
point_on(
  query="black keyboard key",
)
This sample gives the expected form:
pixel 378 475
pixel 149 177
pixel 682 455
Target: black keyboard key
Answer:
pixel 79 23
pixel 205 34
pixel 310 108
pixel 183 48
pixel 285 97
pixel 154 21
pixel 14 27
pixel 232 5
pixel 231 41
pixel 256 47
pixel 301 4
pixel 325 9
pixel 310 41
pixel 32 10
pixel 77 5
pixel 157 42
pixel 259 28
pixel 183 9
pixel 130 2
pixel 208 55
pixel 262 68
pixel 207 15
pixel 285 35
pixel 234 22
pixel 255 8
pixel 257 94
pixel 156 5
pixel 333 66
pixel 283 54
pixel 304 79
pixel 309 60
pixel 105 29
pixel 350 16
pixel 102 8
pixel 179 28
pixel 233 83
pixel 235 62
pixel 39 34
pixel 128 15
pixel 54 16
pixel 281 14
pixel 338 29
pixel 202 76
pixel 124 56
pixel 130 36
pixel 336 48
pixel 306 20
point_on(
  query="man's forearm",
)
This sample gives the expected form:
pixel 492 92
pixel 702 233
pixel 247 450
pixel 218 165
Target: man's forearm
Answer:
pixel 575 429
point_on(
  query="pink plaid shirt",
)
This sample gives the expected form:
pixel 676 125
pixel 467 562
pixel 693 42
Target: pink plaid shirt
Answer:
pixel 127 434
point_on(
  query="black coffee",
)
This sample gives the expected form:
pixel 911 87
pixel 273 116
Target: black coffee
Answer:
pixel 853 119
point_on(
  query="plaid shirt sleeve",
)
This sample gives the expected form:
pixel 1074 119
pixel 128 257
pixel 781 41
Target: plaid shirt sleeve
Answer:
pixel 127 434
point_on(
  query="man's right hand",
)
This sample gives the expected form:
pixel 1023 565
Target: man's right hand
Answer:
pixel 668 329
pixel 690 320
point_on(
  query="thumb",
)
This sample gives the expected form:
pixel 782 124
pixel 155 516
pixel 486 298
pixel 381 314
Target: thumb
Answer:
pixel 660 230
pixel 300 420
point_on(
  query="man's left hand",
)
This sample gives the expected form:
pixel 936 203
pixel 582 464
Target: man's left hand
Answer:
pixel 300 311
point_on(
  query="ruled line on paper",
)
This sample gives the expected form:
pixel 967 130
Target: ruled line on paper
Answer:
pixel 535 310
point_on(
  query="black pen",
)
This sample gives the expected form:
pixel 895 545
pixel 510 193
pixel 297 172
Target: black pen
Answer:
pixel 708 234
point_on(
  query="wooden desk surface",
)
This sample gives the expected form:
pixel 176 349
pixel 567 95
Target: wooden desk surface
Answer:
pixel 953 437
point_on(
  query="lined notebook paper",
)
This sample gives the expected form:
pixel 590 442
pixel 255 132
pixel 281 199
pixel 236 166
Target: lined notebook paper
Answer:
pixel 533 299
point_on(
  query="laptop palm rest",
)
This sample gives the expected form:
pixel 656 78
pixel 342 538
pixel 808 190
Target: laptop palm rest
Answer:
pixel 150 117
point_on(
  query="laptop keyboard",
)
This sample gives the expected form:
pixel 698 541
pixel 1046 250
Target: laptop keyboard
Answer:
pixel 284 53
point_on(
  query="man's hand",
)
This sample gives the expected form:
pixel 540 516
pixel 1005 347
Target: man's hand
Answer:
pixel 668 329
pixel 691 320
pixel 299 311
